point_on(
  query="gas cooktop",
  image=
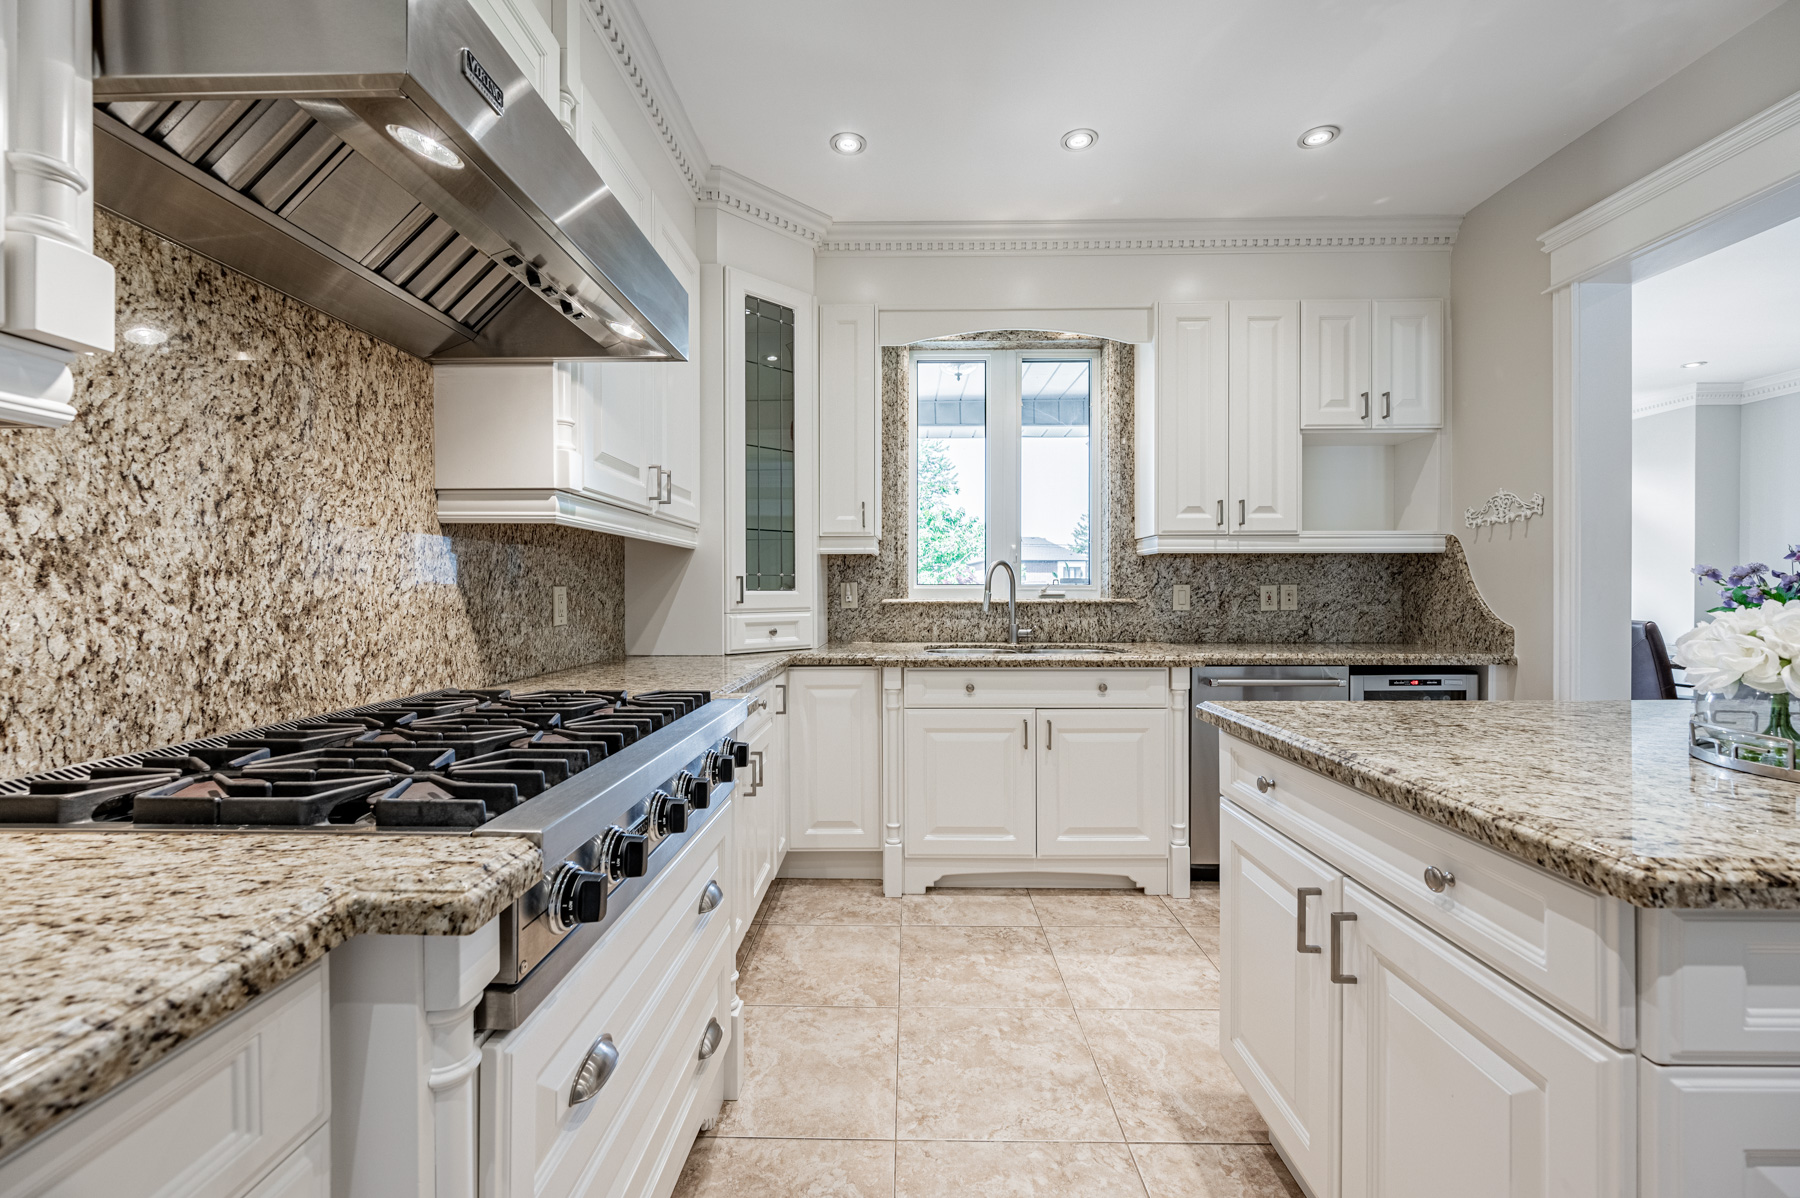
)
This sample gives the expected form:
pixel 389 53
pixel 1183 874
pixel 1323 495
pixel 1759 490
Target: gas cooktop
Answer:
pixel 448 760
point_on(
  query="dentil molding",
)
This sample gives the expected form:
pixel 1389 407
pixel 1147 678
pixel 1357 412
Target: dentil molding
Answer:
pixel 1706 395
pixel 623 31
pixel 1228 236
pixel 731 192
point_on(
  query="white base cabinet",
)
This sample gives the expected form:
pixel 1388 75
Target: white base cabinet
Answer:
pixel 1103 783
pixel 760 804
pixel 971 783
pixel 834 777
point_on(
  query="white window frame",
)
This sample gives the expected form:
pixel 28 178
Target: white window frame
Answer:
pixel 1001 520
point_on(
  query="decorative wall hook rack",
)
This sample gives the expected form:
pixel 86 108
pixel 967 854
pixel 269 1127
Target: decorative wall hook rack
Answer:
pixel 1504 508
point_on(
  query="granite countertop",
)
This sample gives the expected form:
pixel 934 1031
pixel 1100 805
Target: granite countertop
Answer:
pixel 735 674
pixel 1601 793
pixel 121 946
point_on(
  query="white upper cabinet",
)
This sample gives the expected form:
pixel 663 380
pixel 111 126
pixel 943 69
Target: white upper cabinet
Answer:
pixel 849 429
pixel 1335 345
pixel 677 458
pixel 1265 416
pixel 1183 422
pixel 1409 364
pixel 616 411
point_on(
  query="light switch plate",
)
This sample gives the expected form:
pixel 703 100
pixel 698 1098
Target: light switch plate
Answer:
pixel 847 592
pixel 1181 597
pixel 559 606
pixel 1271 598
pixel 1290 597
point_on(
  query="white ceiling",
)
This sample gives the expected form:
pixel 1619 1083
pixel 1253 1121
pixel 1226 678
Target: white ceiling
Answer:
pixel 1198 102
pixel 1738 310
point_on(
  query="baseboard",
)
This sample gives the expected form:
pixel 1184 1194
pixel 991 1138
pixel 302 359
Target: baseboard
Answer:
pixel 831 863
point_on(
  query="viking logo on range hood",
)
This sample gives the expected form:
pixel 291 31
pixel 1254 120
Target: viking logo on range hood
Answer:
pixel 483 82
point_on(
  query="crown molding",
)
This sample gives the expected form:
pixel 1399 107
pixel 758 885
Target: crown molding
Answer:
pixel 1772 386
pixel 1713 395
pixel 622 29
pixel 1220 236
pixel 729 191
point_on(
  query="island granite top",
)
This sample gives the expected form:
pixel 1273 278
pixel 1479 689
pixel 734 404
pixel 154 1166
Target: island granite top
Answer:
pixel 1601 793
pixel 119 947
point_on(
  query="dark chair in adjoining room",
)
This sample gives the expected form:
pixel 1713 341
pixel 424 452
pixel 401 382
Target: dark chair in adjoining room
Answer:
pixel 1652 677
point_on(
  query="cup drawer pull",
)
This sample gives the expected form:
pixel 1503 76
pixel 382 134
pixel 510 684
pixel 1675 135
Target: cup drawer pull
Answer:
pixel 711 1038
pixel 596 1070
pixel 711 897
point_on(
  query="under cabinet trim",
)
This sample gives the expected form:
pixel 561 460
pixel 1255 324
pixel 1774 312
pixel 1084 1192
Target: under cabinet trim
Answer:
pixel 560 507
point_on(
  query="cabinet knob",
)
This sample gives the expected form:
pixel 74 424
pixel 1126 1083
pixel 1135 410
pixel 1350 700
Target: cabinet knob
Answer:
pixel 1103 688
pixel 1438 880
pixel 1265 785
pixel 773 631
pixel 968 688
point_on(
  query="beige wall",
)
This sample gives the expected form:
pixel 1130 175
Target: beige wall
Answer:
pixel 1501 336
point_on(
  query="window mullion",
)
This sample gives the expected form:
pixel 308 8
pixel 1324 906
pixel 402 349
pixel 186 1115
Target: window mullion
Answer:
pixel 1003 460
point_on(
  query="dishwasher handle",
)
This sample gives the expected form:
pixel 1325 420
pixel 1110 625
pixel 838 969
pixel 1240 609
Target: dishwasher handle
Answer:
pixel 1274 682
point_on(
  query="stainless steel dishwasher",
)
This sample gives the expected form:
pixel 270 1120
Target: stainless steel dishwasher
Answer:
pixel 1292 684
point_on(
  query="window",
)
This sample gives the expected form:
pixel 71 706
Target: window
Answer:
pixel 1003 469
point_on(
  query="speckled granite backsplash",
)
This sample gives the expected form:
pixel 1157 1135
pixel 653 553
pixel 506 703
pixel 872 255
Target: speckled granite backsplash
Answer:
pixel 1348 597
pixel 239 526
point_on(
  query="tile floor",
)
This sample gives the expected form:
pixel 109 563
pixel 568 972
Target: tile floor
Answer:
pixel 992 1043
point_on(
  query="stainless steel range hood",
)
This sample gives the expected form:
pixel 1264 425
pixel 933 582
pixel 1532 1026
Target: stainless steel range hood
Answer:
pixel 272 135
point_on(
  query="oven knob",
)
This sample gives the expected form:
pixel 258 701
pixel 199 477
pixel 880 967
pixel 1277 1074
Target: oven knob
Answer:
pixel 576 896
pixel 719 766
pixel 740 753
pixel 697 791
pixel 627 854
pixel 668 814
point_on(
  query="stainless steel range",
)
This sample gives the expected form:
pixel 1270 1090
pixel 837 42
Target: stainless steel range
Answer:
pixel 608 784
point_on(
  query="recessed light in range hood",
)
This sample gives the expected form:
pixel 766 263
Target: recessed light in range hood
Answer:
pixel 261 133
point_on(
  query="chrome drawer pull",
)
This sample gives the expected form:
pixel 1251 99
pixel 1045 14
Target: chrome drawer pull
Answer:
pixel 1438 880
pixel 1338 919
pixel 601 1063
pixel 1264 785
pixel 711 897
pixel 1300 897
pixel 711 1038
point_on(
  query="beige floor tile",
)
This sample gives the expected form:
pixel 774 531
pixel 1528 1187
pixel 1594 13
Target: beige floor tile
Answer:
pixel 1100 908
pixel 1213 1171
pixel 788 1169
pixel 818 900
pixel 960 1169
pixel 820 965
pixel 970 908
pixel 1159 969
pixel 1199 914
pixel 978 967
pixel 998 1075
pixel 816 1073
pixel 1166 1077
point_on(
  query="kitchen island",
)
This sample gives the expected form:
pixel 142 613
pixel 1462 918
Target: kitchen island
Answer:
pixel 1529 946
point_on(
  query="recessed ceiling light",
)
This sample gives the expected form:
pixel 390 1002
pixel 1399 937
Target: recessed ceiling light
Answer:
pixel 1684 365
pixel 624 330
pixel 1319 135
pixel 143 334
pixel 848 143
pixel 1079 139
pixel 424 146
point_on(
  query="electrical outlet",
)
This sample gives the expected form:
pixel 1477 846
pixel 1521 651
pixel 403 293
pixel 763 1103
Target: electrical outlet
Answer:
pixel 559 606
pixel 1290 597
pixel 1271 598
pixel 1181 596
pixel 847 593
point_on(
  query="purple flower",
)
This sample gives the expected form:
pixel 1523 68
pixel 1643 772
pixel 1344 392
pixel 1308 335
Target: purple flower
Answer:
pixel 1755 595
pixel 1757 568
pixel 1793 553
pixel 1709 573
pixel 1729 605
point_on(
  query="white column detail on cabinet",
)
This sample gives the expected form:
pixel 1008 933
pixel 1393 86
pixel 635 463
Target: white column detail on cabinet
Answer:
pixel 1335 344
pixel 1265 417
pixel 849 429
pixel 893 779
pixel 1409 364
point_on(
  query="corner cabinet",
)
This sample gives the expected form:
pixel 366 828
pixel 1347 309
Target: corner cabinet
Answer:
pixel 606 446
pixel 849 500
pixel 1269 426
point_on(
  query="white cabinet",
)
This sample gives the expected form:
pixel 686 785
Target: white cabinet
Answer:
pixel 1335 345
pixel 971 783
pixel 1454 1076
pixel 1184 421
pixel 1409 364
pixel 1102 783
pixel 760 826
pixel 1279 1025
pixel 619 427
pixel 1711 1131
pixel 849 456
pixel 834 772
pixel 677 439
pixel 1265 416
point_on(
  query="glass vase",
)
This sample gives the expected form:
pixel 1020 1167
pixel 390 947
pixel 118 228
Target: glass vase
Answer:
pixel 1746 729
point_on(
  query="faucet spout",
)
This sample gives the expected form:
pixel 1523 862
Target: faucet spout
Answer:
pixel 1012 598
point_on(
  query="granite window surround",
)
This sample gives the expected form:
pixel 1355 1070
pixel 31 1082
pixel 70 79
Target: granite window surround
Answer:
pixel 1372 598
pixel 240 526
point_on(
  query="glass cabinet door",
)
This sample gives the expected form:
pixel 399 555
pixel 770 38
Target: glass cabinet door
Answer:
pixel 769 531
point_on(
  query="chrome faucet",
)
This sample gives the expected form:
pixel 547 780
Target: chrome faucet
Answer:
pixel 1012 599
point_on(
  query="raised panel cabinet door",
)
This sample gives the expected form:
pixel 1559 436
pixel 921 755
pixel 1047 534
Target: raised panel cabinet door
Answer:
pixel 1707 1130
pixel 1103 783
pixel 1190 419
pixel 1278 1018
pixel 1265 416
pixel 760 801
pixel 849 422
pixel 970 783
pixel 678 440
pixel 1334 364
pixel 1458 1082
pixel 1409 363
pixel 619 413
pixel 834 760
